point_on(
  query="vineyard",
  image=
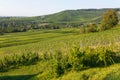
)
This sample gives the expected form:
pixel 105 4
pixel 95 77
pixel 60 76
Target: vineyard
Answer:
pixel 61 54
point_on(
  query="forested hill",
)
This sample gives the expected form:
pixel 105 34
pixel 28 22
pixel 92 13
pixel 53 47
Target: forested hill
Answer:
pixel 79 15
pixel 58 20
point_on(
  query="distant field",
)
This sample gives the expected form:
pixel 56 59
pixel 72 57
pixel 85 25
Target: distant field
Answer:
pixel 33 40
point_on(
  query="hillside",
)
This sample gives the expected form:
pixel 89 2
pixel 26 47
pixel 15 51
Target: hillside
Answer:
pixel 80 15
pixel 74 16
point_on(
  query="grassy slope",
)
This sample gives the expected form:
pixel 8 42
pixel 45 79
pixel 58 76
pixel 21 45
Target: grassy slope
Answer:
pixel 63 39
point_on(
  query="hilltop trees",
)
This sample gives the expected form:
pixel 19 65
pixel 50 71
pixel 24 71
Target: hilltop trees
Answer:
pixel 109 20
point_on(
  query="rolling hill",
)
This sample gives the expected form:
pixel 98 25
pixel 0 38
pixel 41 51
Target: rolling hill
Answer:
pixel 80 15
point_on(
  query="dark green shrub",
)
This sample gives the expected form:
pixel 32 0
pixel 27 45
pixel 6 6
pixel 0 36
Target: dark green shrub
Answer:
pixel 47 56
pixel 105 57
pixel 91 28
pixel 14 60
pixel 81 59
pixel 99 57
pixel 60 64
pixel 90 58
pixel 58 69
pixel 88 28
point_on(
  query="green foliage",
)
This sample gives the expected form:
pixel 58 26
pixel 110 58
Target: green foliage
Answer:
pixel 60 64
pixel 14 60
pixel 99 57
pixel 109 20
pixel 81 59
pixel 86 28
pixel 58 69
pixel 92 28
pixel 76 58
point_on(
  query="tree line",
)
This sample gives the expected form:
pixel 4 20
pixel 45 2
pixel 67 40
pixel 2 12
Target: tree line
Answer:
pixel 13 26
pixel 22 26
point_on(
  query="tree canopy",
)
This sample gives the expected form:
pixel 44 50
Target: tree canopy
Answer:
pixel 109 20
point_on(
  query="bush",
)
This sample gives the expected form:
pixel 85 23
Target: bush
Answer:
pixel 81 59
pixel 59 62
pixel 91 28
pixel 82 29
pixel 76 58
pixel 14 60
pixel 99 57
pixel 88 28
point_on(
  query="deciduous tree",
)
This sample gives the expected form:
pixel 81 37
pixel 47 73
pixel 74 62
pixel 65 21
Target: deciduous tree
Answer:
pixel 109 20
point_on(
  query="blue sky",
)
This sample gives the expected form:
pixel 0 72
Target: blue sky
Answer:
pixel 43 7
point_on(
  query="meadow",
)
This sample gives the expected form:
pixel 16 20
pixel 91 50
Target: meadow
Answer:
pixel 47 42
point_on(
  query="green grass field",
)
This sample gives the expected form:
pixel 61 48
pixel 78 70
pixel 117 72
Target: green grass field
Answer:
pixel 50 41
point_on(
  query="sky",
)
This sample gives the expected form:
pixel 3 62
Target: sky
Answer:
pixel 44 7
